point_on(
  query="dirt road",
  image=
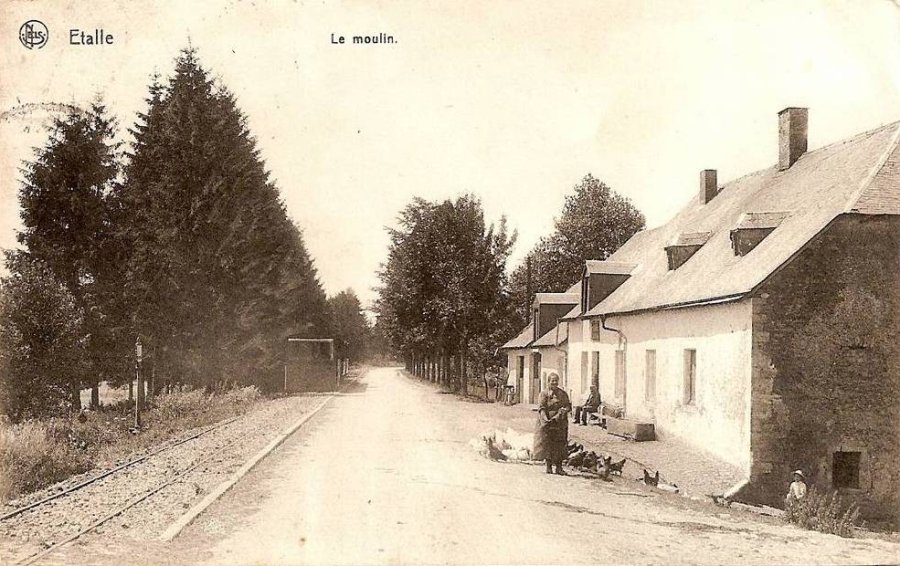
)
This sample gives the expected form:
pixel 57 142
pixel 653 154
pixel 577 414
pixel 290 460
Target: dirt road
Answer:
pixel 385 475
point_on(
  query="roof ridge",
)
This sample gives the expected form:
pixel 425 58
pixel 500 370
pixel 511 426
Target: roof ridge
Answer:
pixel 851 139
pixel 892 146
pixel 857 136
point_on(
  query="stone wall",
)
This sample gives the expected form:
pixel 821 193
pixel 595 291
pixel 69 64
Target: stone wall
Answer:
pixel 826 365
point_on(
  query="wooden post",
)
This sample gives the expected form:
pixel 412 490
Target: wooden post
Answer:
pixel 95 395
pixel 527 289
pixel 139 398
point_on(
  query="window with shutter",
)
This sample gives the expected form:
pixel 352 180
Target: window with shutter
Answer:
pixel 690 377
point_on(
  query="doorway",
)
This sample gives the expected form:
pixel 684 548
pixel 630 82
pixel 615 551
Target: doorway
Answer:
pixel 520 377
pixel 535 378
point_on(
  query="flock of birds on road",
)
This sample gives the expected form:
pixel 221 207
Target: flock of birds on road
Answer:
pixel 587 462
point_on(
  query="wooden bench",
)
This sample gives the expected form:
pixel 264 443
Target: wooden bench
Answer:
pixel 636 430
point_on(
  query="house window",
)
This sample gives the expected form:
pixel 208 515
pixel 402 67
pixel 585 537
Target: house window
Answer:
pixel 650 376
pixel 595 330
pixel 620 374
pixel 845 470
pixel 690 377
pixel 564 370
pixel 595 369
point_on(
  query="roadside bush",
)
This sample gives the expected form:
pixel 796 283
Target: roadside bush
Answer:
pixel 178 405
pixel 240 396
pixel 172 406
pixel 824 513
pixel 34 454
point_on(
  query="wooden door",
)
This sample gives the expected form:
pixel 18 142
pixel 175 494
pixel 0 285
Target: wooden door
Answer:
pixel 535 378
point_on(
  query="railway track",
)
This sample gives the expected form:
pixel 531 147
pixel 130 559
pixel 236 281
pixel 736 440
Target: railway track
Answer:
pixel 133 501
pixel 112 471
pixel 161 464
pixel 31 559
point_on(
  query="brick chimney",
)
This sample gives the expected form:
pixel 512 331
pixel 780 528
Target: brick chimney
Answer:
pixel 709 187
pixel 792 125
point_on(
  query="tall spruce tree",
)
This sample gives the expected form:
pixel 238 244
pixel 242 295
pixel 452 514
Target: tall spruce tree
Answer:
pixel 64 201
pixel 217 274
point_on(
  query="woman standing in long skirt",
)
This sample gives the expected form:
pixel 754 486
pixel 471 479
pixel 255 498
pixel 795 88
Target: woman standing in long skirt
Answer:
pixel 552 429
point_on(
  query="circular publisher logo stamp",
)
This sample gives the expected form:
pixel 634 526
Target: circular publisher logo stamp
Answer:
pixel 34 34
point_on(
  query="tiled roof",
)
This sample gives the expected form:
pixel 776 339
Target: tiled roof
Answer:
pixel 764 220
pixel 691 239
pixel 523 340
pixel 572 314
pixel 859 175
pixel 556 298
pixel 608 267
pixel 551 337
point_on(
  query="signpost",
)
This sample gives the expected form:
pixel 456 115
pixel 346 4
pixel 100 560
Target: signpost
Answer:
pixel 138 357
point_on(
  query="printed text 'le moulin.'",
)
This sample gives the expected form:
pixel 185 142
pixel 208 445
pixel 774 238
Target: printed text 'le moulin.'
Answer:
pixel 375 39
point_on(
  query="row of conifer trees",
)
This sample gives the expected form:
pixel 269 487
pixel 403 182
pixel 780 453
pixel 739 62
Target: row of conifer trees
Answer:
pixel 178 237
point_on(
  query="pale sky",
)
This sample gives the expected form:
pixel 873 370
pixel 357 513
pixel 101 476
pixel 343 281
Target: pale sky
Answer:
pixel 512 101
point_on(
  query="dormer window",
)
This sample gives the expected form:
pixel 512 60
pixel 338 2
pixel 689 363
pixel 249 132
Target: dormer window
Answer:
pixel 600 278
pixel 549 308
pixel 684 246
pixel 752 228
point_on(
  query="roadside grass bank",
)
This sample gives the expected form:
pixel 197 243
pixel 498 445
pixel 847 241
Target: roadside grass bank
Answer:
pixel 38 453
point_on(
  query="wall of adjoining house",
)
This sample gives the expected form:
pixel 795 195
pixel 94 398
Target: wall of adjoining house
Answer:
pixel 550 360
pixel 553 360
pixel 826 365
pixel 513 368
pixel 577 383
pixel 719 420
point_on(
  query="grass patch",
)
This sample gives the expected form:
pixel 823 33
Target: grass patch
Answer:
pixel 35 454
pixel 32 456
pixel 823 512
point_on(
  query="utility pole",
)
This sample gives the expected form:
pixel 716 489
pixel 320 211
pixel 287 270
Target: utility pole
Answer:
pixel 139 398
pixel 528 289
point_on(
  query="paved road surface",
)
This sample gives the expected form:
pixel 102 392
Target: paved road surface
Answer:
pixel 385 475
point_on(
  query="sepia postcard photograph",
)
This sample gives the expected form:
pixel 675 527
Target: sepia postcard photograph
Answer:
pixel 449 282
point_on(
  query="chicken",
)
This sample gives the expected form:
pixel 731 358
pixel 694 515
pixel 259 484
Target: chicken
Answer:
pixel 651 480
pixel 590 461
pixel 616 467
pixel 572 448
pixel 493 452
pixel 576 460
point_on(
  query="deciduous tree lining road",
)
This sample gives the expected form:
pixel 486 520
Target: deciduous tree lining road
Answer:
pixel 386 475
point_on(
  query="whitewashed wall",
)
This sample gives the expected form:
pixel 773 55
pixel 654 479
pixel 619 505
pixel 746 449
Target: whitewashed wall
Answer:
pixel 513 368
pixel 719 419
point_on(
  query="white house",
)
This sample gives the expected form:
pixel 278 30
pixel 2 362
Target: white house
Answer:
pixel 762 323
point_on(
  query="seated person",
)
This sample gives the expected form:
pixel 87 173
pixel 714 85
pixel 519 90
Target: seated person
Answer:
pixel 511 388
pixel 590 403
